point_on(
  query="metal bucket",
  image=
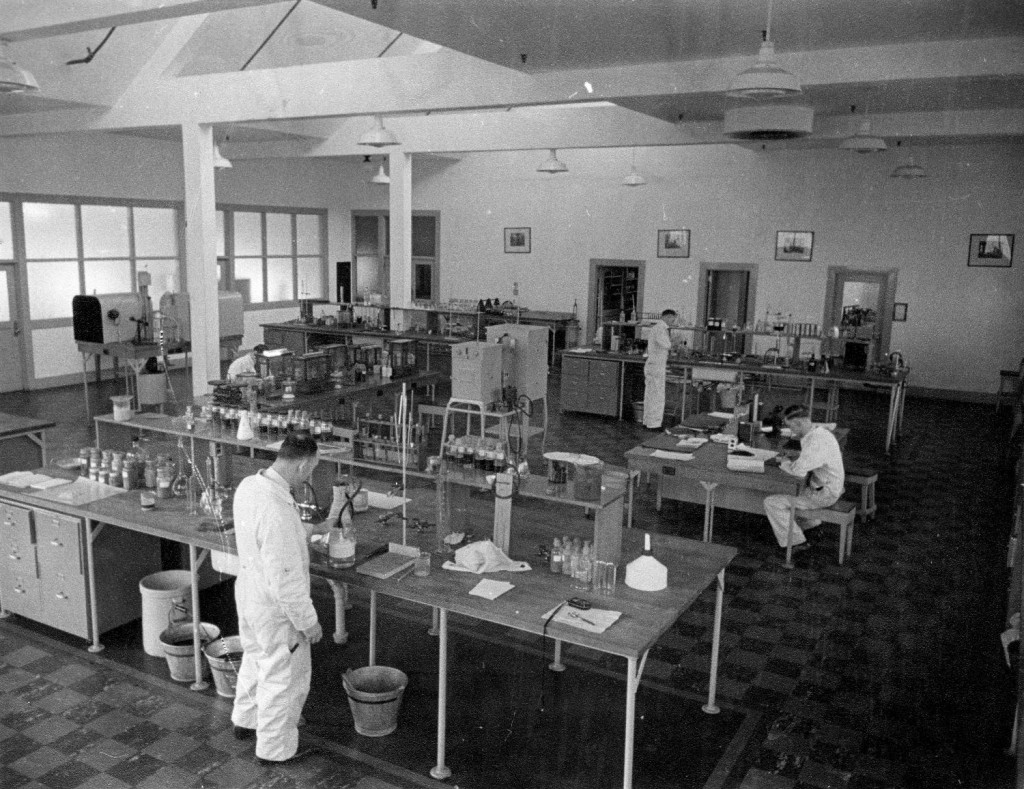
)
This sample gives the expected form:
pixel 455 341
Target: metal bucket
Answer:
pixel 374 696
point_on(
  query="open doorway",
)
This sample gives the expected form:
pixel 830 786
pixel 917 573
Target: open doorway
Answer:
pixel 727 294
pixel 859 304
pixel 616 289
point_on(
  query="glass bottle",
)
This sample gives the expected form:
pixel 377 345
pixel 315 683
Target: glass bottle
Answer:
pixel 556 557
pixel 582 573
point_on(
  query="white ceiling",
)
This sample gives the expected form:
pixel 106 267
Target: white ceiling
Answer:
pixel 298 79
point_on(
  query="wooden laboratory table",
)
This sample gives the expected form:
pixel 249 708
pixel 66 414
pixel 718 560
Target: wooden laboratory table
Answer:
pixel 13 427
pixel 595 381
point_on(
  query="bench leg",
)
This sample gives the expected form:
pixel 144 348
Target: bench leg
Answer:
pixel 849 539
pixel 789 539
pixel 842 541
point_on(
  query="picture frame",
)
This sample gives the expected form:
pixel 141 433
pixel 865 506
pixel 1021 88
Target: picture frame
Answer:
pixel 993 250
pixel 517 240
pixel 673 243
pixel 794 245
pixel 899 312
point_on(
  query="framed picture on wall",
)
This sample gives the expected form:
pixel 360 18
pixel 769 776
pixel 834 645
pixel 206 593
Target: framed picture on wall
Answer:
pixel 673 243
pixel 899 312
pixel 794 245
pixel 517 239
pixel 991 249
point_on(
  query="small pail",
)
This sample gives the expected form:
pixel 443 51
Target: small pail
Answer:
pixel 177 643
pixel 374 696
pixel 166 596
pixel 225 657
pixel 122 407
pixel 638 411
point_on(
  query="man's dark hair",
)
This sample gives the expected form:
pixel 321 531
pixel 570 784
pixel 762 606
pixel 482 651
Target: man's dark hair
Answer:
pixel 796 411
pixel 666 313
pixel 259 349
pixel 297 446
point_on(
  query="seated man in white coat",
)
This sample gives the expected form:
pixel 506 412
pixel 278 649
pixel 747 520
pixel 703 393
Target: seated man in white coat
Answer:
pixel 245 365
pixel 820 465
pixel 276 619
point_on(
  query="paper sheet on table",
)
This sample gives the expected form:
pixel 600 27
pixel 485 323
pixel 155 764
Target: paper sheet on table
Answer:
pixel 489 588
pixel 25 479
pixel 594 620
pixel 49 482
pixel 80 491
pixel 384 501
pixel 723 438
pixel 722 415
pixel 664 454
pixel 755 453
pixel 15 478
pixel 692 442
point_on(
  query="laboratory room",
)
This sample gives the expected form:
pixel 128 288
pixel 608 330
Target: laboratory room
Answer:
pixel 403 395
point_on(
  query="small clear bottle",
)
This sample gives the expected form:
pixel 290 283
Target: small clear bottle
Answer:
pixel 556 557
pixel 582 573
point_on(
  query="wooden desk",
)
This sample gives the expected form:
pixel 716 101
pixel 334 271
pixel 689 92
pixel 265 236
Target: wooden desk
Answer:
pixel 13 427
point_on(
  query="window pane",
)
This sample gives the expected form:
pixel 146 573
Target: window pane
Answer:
pixel 279 234
pixel 248 234
pixel 6 236
pixel 220 234
pixel 279 279
pixel 105 231
pixel 249 279
pixel 165 278
pixel 50 232
pixel 311 280
pixel 307 234
pixel 421 288
pixel 424 237
pixel 155 233
pixel 5 296
pixel 51 286
pixel 107 276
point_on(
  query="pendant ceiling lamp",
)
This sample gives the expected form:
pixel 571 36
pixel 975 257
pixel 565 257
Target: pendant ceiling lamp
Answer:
pixel 13 78
pixel 909 169
pixel 381 177
pixel 220 161
pixel 766 79
pixel 863 141
pixel 378 136
pixel 552 164
pixel 634 178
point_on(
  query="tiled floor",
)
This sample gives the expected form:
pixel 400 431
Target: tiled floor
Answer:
pixel 885 672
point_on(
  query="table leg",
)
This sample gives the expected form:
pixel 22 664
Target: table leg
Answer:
pixel 556 664
pixel 899 412
pixel 39 439
pixel 709 509
pixel 544 435
pixel 633 674
pixel 890 428
pixel 90 570
pixel 630 484
pixel 440 771
pixel 657 493
pixel 85 384
pixel 373 628
pixel 340 592
pixel 711 708
pixel 194 562
pixel 435 629
pixel 622 387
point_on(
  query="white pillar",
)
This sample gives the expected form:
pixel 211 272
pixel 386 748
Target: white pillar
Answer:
pixel 201 254
pixel 400 207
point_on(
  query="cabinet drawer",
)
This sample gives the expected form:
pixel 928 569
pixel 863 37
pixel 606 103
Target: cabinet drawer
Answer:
pixel 15 525
pixel 62 602
pixel 59 544
pixel 574 366
pixel 604 371
pixel 19 583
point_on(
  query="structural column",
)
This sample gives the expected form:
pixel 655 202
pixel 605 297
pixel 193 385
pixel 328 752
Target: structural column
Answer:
pixel 400 207
pixel 201 254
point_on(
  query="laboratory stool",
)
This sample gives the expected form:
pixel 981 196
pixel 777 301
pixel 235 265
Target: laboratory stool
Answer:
pixel 866 479
pixel 1009 384
pixel 842 514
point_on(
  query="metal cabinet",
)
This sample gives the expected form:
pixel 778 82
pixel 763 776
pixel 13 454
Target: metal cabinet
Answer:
pixel 591 385
pixel 279 337
pixel 19 576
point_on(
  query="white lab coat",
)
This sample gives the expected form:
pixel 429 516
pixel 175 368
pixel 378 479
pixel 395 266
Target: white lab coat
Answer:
pixel 658 345
pixel 243 365
pixel 274 607
pixel 821 463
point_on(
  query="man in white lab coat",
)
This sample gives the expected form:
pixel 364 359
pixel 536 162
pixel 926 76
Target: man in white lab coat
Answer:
pixel 245 365
pixel 820 465
pixel 658 344
pixel 276 619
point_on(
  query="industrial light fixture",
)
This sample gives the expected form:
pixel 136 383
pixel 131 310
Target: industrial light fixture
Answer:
pixel 863 141
pixel 766 79
pixel 552 164
pixel 220 161
pixel 909 169
pixel 634 178
pixel 13 78
pixel 378 136
pixel 381 177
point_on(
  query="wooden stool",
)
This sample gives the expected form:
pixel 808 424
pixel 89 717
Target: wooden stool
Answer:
pixel 843 514
pixel 866 478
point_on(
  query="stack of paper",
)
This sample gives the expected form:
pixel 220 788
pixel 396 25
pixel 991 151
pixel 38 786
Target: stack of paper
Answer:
pixel 665 454
pixel 691 443
pixel 593 620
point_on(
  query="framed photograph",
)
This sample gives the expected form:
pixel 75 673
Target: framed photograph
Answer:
pixel 991 249
pixel 673 243
pixel 899 312
pixel 794 245
pixel 517 239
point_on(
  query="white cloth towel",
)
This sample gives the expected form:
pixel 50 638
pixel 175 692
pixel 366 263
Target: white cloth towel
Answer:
pixel 483 557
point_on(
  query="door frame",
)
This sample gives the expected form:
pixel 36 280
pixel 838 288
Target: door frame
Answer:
pixel 886 280
pixel 593 282
pixel 18 319
pixel 700 319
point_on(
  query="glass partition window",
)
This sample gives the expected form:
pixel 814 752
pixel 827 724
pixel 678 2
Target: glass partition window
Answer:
pixel 248 233
pixel 108 276
pixel 50 231
pixel 279 279
pixel 51 286
pixel 5 296
pixel 156 232
pixel 105 231
pixel 6 233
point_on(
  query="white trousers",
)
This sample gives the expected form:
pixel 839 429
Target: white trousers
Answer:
pixel 777 508
pixel 273 683
pixel 654 397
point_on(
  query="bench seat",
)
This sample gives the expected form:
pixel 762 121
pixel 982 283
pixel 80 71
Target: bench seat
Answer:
pixel 843 514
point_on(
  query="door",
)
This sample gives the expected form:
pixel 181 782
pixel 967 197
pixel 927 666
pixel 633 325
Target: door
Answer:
pixel 616 288
pixel 728 295
pixel 858 303
pixel 12 370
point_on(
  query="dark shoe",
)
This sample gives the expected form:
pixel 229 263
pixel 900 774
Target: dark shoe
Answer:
pixel 242 733
pixel 654 429
pixel 804 546
pixel 291 760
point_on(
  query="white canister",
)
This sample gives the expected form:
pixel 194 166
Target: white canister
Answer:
pixel 122 407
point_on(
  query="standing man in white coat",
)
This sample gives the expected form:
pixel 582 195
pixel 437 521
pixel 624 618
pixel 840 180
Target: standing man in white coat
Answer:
pixel 276 619
pixel 820 465
pixel 658 344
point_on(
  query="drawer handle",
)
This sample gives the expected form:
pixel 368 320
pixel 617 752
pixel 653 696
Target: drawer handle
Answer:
pixel 61 596
pixel 19 589
pixel 14 556
pixel 56 543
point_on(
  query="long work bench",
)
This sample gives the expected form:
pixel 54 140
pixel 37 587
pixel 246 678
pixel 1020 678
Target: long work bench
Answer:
pixel 596 381
pixel 645 616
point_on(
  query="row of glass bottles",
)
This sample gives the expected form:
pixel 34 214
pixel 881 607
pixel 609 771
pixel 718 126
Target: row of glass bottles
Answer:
pixel 484 454
pixel 570 557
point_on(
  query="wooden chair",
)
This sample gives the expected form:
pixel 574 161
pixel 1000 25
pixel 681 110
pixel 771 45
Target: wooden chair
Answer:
pixel 843 514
